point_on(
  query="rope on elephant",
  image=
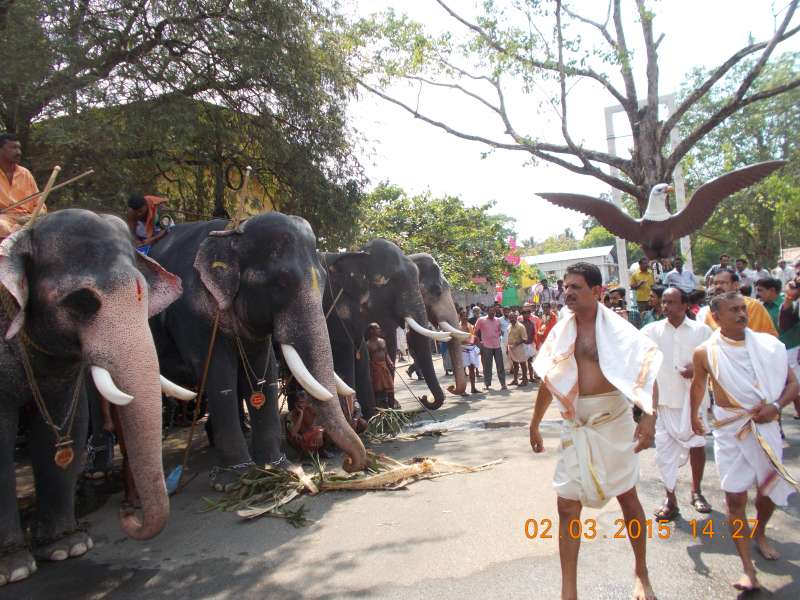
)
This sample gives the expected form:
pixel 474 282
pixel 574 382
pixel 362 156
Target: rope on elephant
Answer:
pixel 265 491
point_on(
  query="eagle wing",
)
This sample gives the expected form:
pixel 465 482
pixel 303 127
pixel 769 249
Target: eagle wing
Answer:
pixel 706 198
pixel 608 214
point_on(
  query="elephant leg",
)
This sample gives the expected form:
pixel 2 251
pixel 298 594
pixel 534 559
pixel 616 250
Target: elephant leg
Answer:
pixel 264 421
pixel 222 391
pixel 55 532
pixel 16 561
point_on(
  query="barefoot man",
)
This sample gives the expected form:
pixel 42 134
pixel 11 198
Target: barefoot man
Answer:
pixel 752 382
pixel 590 362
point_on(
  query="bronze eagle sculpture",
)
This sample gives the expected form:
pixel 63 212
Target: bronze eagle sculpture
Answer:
pixel 657 230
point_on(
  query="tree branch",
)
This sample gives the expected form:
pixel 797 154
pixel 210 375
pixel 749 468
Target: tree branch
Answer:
pixel 735 102
pixel 715 76
pixel 531 62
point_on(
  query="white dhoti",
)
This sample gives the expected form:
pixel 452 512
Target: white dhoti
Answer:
pixel 747 375
pixel 742 462
pixel 597 461
pixel 471 356
pixel 674 438
pixel 530 351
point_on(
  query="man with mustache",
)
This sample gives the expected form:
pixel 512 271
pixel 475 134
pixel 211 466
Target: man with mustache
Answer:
pixel 726 280
pixel 752 383
pixel 591 361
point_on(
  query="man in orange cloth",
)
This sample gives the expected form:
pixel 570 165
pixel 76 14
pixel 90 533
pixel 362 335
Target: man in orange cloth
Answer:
pixel 16 182
pixel 380 367
pixel 143 222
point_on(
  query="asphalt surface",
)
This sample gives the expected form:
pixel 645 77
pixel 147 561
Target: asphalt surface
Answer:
pixel 461 536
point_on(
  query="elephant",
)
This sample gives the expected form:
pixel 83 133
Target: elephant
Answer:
pixel 345 301
pixel 438 298
pixel 76 300
pixel 264 281
pixel 394 300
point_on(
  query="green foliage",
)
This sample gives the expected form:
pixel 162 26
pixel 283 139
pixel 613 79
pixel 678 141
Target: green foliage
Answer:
pixel 757 221
pixel 178 96
pixel 465 241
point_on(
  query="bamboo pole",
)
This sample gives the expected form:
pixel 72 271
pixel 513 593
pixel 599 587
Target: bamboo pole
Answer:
pixel 53 189
pixel 43 196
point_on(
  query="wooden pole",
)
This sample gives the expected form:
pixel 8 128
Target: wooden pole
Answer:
pixel 53 189
pixel 43 197
pixel 241 196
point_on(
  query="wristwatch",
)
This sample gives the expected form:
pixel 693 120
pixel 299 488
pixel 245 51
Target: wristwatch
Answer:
pixel 777 404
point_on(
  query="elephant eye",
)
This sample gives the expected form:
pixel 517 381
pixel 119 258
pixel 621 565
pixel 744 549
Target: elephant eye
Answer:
pixel 83 303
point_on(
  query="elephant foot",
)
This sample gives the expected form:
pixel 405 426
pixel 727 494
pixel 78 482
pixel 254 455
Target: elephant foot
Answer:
pixel 70 545
pixel 223 479
pixel 16 566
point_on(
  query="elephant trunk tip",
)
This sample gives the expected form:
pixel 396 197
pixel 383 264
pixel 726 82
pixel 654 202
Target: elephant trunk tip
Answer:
pixel 141 531
pixel 351 465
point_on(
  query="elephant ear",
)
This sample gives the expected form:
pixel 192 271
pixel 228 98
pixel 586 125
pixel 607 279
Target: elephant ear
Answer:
pixel 164 287
pixel 346 262
pixel 15 251
pixel 217 262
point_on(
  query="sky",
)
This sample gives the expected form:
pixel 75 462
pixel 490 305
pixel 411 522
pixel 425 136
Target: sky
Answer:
pixel 419 157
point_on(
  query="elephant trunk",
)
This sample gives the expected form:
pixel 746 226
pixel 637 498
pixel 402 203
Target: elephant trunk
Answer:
pixel 457 358
pixel 421 347
pixel 302 326
pixel 133 367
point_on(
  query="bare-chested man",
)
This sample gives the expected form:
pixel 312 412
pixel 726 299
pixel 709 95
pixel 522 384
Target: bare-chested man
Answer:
pixel 590 359
pixel 752 383
pixel 381 367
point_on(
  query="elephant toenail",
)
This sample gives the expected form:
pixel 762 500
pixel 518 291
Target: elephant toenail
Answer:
pixel 19 573
pixel 3 580
pixel 59 555
pixel 34 567
pixel 78 549
pixel 89 543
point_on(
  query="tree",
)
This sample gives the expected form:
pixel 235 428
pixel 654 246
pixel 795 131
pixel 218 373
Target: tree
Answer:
pixel 465 241
pixel 758 220
pixel 551 46
pixel 187 91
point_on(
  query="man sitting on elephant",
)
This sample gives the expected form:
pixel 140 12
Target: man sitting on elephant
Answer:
pixel 142 219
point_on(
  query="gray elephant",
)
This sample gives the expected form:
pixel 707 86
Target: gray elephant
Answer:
pixel 438 298
pixel 394 300
pixel 76 300
pixel 265 280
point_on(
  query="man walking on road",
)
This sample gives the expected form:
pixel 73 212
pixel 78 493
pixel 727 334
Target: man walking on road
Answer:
pixel 590 362
pixel 487 330
pixel 676 443
pixel 752 383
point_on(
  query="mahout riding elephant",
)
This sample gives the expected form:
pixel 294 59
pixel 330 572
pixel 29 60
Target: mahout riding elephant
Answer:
pixel 76 298
pixel 266 281
pixel 394 301
pixel 438 298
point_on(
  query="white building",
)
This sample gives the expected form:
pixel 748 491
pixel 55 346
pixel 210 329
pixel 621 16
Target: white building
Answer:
pixel 555 264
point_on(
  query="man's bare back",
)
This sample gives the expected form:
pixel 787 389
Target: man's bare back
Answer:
pixel 591 380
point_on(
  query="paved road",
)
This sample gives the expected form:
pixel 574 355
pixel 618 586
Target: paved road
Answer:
pixel 455 537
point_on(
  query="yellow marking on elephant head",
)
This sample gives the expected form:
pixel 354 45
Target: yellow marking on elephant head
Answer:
pixel 380 280
pixel 218 264
pixel 314 280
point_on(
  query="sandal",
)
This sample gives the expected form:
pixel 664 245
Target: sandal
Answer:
pixel 700 504
pixel 667 513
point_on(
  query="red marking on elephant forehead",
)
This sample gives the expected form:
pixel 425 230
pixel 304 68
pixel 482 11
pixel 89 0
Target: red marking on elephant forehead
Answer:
pixel 138 290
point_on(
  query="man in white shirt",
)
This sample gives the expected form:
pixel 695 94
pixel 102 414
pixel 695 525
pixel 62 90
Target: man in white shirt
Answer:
pixel 677 337
pixel 680 278
pixel 746 276
pixel 783 272
pixel 760 272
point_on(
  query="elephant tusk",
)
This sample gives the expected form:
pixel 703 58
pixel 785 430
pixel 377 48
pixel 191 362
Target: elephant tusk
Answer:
pixel 342 388
pixel 302 374
pixel 456 333
pixel 107 388
pixel 442 336
pixel 173 390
